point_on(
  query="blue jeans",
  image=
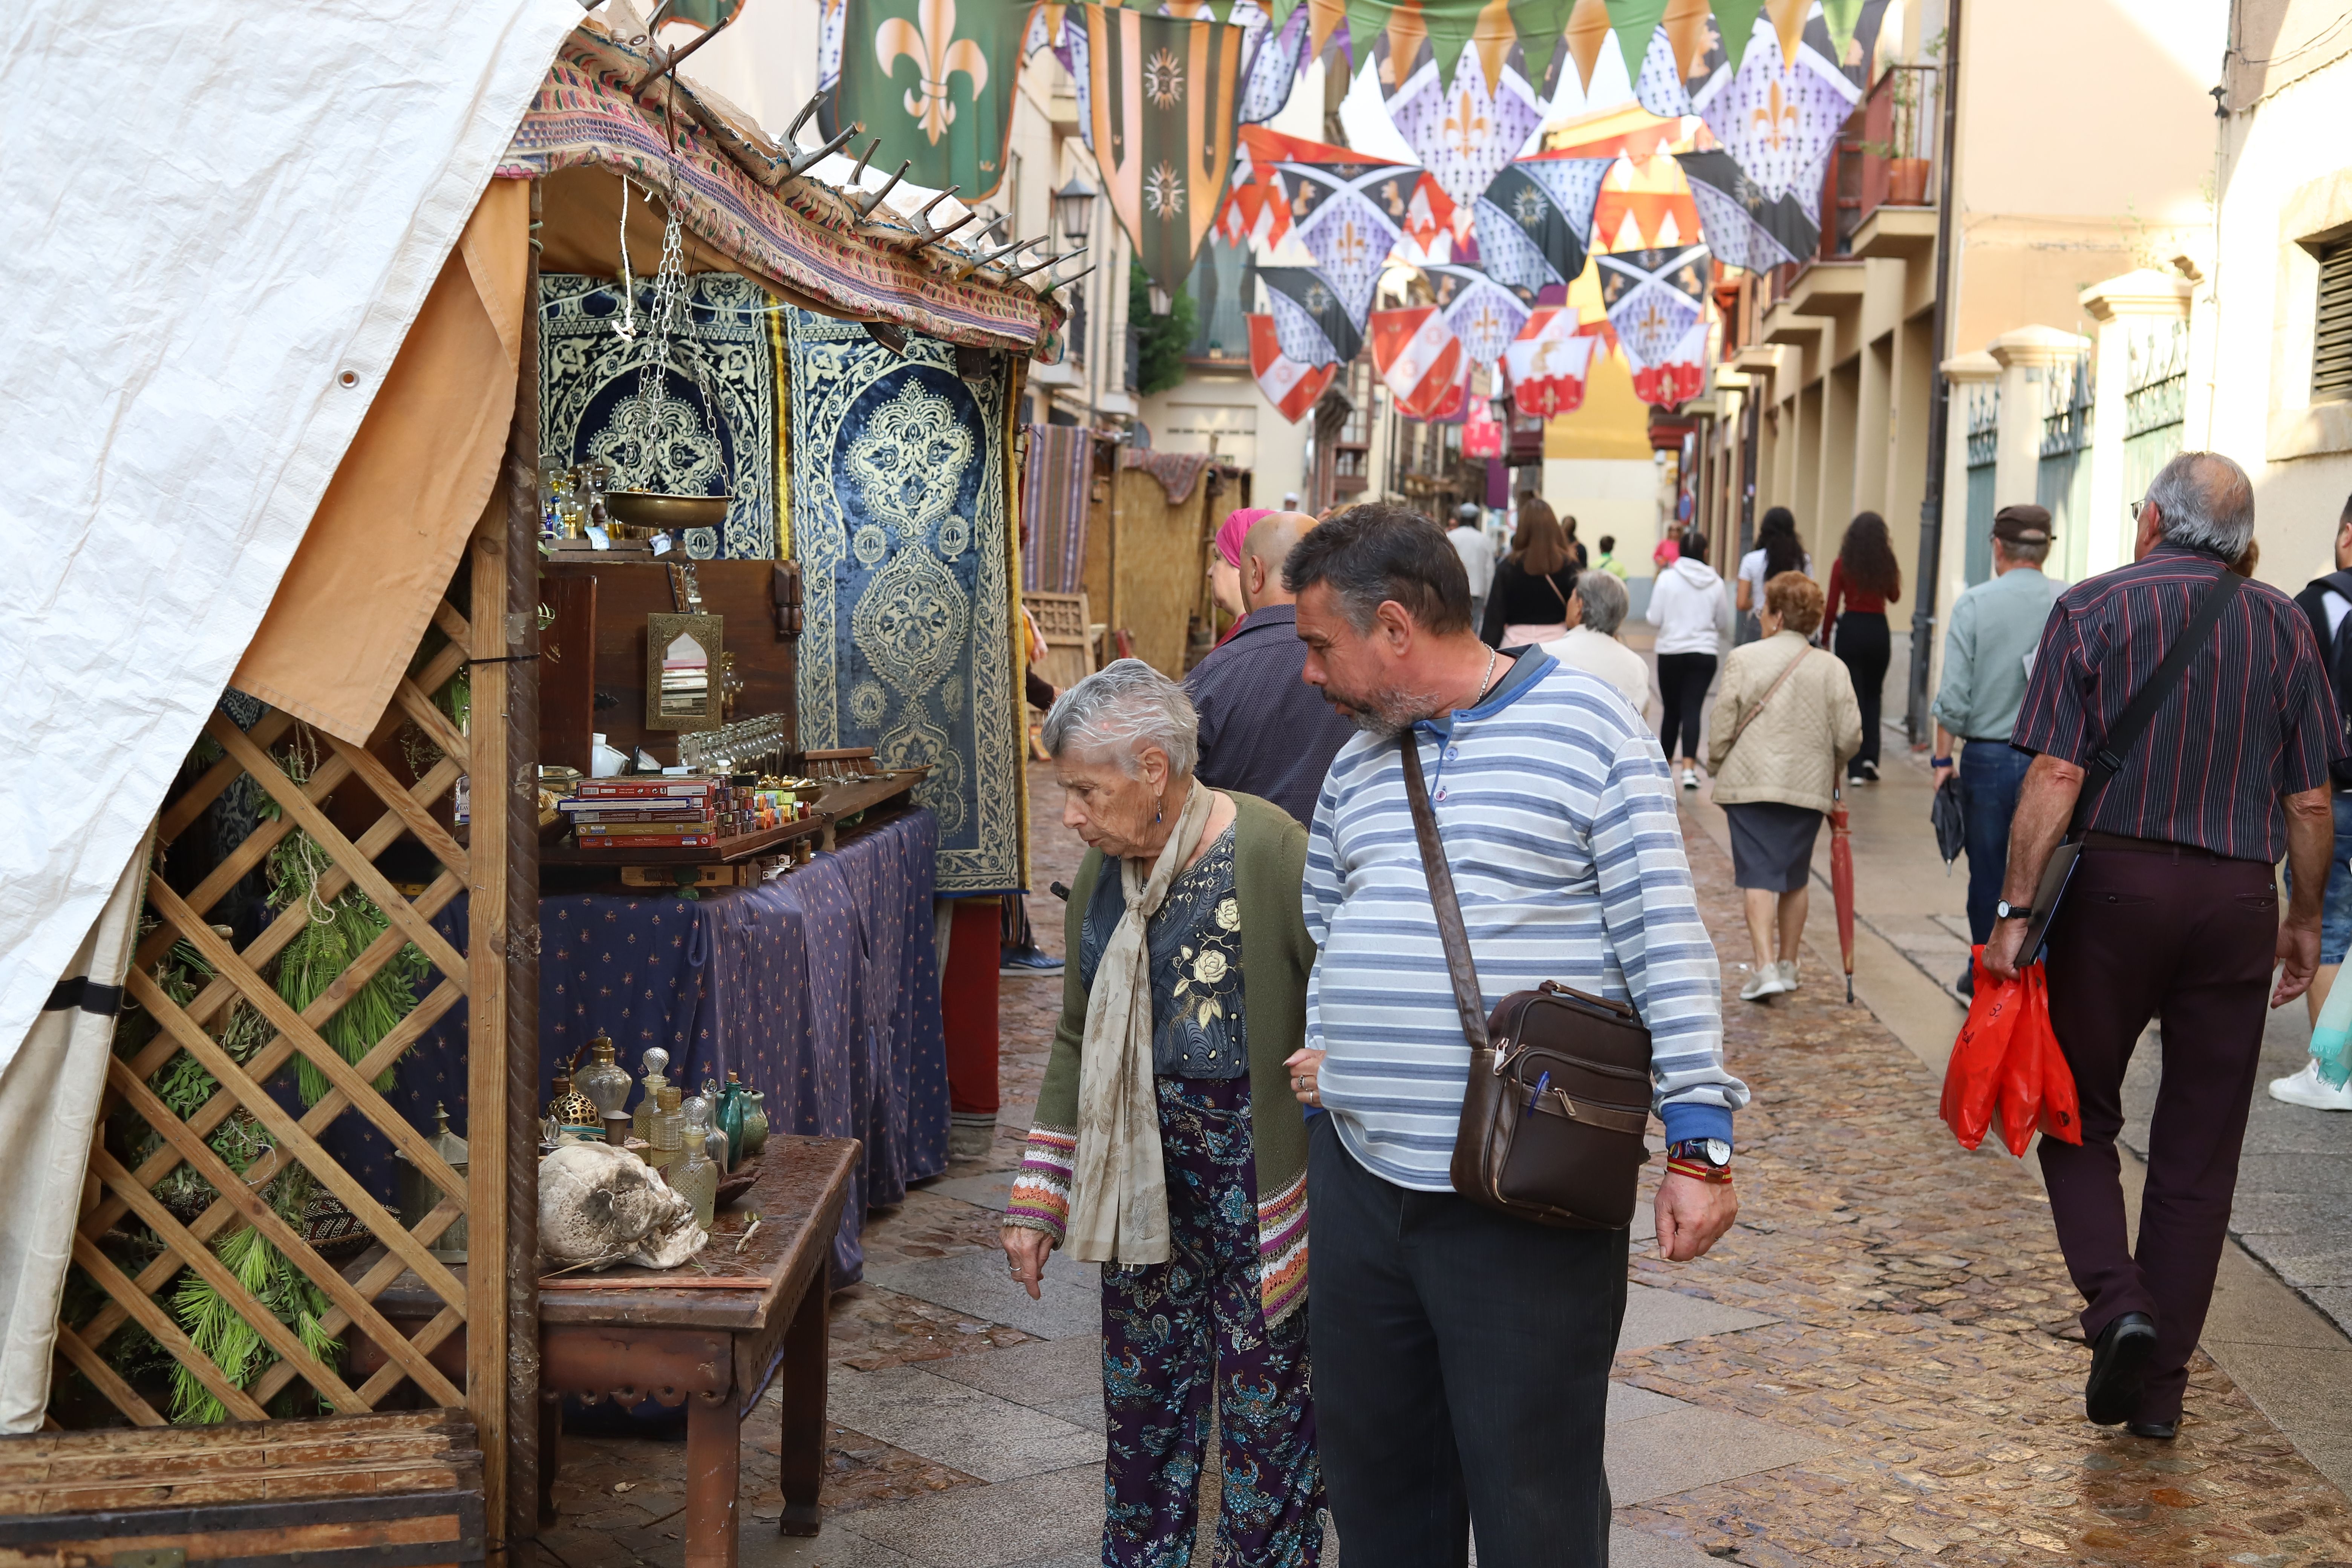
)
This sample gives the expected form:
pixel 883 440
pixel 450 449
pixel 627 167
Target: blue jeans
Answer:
pixel 2336 905
pixel 1991 775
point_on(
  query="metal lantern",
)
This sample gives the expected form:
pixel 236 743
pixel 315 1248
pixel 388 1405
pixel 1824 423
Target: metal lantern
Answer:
pixel 419 1196
pixel 1074 209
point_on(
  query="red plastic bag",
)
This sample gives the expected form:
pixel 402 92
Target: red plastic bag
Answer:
pixel 1973 1080
pixel 2061 1112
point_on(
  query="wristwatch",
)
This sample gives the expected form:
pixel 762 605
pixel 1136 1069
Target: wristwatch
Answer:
pixel 2005 911
pixel 1705 1159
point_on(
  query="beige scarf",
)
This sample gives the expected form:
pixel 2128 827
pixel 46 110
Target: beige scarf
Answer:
pixel 1119 1193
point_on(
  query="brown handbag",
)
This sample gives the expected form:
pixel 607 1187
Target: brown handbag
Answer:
pixel 1558 1104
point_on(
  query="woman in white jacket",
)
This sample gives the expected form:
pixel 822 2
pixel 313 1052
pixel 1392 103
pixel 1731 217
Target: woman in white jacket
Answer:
pixel 1693 615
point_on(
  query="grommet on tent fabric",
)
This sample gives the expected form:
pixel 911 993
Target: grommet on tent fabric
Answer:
pixel 347 378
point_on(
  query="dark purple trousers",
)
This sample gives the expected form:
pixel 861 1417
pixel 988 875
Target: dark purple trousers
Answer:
pixel 2186 935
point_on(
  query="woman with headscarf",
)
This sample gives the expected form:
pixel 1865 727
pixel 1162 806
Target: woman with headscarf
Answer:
pixel 1527 601
pixel 1168 1145
pixel 1226 566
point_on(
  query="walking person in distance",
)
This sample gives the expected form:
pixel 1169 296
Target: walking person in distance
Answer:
pixel 1462 1353
pixel 1468 537
pixel 2172 908
pixel 1595 611
pixel 1529 601
pixel 1693 615
pixel 1777 550
pixel 2326 603
pixel 1864 580
pixel 1784 721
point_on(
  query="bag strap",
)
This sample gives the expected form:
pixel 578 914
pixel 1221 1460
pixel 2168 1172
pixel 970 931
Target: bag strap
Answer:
pixel 2116 747
pixel 1556 593
pixel 1747 718
pixel 1465 976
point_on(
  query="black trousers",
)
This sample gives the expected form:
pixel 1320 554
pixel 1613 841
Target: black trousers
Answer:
pixel 1461 1373
pixel 1862 643
pixel 1682 680
pixel 2184 932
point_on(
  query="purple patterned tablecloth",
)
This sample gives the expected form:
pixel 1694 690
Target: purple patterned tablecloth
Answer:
pixel 821 989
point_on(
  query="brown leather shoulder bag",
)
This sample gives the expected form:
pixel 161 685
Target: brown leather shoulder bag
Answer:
pixel 1554 1115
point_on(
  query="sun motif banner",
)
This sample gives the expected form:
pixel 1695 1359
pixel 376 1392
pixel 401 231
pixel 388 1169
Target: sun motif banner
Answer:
pixel 1742 226
pixel 1313 325
pixel 936 81
pixel 1162 98
pixel 899 522
pixel 1535 222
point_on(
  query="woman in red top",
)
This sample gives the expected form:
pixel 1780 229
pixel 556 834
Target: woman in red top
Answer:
pixel 1867 578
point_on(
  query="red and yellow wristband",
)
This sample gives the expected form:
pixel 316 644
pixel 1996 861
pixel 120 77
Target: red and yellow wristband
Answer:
pixel 1699 1171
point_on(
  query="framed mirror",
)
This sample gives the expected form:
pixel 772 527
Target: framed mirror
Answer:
pixel 684 660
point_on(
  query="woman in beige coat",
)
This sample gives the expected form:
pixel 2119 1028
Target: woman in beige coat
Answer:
pixel 1785 721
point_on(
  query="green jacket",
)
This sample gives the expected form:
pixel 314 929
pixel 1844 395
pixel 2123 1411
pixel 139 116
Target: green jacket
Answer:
pixel 1269 867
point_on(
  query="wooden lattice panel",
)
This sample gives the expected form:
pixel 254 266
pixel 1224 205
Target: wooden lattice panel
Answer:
pixel 359 786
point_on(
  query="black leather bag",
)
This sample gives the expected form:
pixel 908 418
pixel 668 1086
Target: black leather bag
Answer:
pixel 1558 1104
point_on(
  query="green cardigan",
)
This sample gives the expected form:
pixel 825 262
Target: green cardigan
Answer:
pixel 1269 868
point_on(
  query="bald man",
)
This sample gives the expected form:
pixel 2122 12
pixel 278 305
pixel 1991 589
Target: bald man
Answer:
pixel 1264 731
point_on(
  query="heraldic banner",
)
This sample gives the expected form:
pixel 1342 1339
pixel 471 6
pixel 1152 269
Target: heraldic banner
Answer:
pixel 900 525
pixel 937 82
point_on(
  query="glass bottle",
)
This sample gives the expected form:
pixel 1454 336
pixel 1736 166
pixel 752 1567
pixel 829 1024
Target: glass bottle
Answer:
pixel 655 1060
pixel 755 1122
pixel 729 1119
pixel 669 1131
pixel 695 1177
pixel 607 1083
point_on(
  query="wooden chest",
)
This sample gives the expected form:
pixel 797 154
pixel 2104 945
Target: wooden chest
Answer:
pixel 592 675
pixel 349 1491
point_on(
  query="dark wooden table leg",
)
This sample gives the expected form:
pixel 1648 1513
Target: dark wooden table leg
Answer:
pixel 551 1446
pixel 802 1374
pixel 713 1476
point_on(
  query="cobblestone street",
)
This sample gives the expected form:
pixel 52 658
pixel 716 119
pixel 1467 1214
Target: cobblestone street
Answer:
pixel 1879 1364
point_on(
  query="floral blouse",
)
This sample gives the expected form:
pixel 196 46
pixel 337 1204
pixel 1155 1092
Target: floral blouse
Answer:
pixel 1199 1028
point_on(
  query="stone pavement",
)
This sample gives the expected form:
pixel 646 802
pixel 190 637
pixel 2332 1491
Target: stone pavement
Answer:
pixel 1878 1366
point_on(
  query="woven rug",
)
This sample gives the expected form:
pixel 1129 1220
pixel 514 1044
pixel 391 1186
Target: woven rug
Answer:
pixel 1055 482
pixel 898 520
pixel 710 427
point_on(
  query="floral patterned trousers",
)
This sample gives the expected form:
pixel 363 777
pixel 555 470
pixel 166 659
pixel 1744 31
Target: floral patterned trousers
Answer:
pixel 1173 1331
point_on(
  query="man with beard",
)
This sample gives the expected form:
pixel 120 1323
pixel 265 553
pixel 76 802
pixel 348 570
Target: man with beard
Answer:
pixel 1461 1355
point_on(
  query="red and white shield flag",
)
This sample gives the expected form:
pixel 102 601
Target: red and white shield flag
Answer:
pixel 1418 357
pixel 1290 387
pixel 1546 364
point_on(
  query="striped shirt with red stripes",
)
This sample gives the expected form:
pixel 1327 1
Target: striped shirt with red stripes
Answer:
pixel 2251 720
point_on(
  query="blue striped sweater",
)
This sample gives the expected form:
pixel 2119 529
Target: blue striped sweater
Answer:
pixel 1559 826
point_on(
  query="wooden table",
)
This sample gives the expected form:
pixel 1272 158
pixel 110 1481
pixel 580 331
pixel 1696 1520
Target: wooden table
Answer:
pixel 630 1333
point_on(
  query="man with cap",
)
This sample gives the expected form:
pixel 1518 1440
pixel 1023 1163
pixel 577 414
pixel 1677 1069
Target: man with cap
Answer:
pixel 1264 731
pixel 1468 537
pixel 1993 628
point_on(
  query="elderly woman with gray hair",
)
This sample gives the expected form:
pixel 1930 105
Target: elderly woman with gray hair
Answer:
pixel 1596 608
pixel 1168 1145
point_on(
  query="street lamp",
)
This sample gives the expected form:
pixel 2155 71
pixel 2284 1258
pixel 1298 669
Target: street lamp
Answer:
pixel 1074 209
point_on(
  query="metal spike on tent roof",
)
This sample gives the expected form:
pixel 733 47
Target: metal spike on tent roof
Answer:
pixel 1055 283
pixel 1040 266
pixel 971 264
pixel 803 162
pixel 866 201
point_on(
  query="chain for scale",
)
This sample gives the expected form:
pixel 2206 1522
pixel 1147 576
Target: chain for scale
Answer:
pixel 661 318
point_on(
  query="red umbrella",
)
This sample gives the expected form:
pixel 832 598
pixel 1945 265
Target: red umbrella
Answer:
pixel 1842 882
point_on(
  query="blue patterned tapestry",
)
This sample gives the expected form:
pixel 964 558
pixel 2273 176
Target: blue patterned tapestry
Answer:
pixel 898 520
pixel 710 428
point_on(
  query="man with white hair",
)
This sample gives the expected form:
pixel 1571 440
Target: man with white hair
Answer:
pixel 2172 908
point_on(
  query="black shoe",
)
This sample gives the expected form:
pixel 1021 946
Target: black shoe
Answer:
pixel 2161 1431
pixel 1869 772
pixel 2118 1363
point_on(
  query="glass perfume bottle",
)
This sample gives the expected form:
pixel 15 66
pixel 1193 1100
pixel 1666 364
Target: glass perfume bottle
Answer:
pixel 755 1122
pixel 607 1083
pixel 695 1176
pixel 669 1131
pixel 728 1119
pixel 655 1060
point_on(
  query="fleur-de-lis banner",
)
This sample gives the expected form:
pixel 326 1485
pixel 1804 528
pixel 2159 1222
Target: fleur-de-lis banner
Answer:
pixel 1777 116
pixel 1742 226
pixel 1350 215
pixel 937 81
pixel 1465 128
pixel 1312 323
pixel 1481 312
pixel 1653 298
pixel 1535 222
pixel 1162 96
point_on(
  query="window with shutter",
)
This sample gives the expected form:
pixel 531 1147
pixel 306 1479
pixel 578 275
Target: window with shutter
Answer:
pixel 2331 348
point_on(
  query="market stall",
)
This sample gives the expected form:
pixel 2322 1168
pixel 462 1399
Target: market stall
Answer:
pixel 339 957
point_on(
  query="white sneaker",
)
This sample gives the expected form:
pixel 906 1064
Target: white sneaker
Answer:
pixel 1690 778
pixel 2308 1088
pixel 1765 982
pixel 1788 968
